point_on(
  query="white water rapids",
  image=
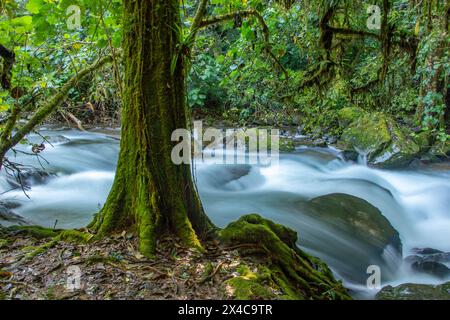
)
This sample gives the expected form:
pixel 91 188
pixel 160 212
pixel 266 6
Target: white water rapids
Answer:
pixel 416 202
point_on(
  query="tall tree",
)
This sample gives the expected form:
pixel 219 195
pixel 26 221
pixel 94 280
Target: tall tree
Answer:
pixel 150 194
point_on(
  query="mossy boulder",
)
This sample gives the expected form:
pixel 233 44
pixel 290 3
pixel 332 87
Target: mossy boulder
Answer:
pixel 285 271
pixel 378 136
pixel 412 291
pixel 348 115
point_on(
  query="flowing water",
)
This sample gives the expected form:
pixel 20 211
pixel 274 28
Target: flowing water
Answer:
pixel 416 202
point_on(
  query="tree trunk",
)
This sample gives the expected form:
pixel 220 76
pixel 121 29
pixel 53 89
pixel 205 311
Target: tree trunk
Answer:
pixel 150 194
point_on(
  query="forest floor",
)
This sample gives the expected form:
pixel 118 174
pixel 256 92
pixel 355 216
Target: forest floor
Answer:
pixel 113 269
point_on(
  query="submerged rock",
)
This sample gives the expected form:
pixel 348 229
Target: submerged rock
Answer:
pixel 411 291
pixel 378 136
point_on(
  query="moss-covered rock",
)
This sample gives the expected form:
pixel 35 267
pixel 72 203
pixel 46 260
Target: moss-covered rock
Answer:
pixel 379 137
pixel 287 271
pixel 348 115
pixel 411 291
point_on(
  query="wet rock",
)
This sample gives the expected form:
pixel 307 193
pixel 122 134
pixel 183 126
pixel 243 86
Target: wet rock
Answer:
pixel 357 229
pixel 411 291
pixel 59 139
pixel 29 177
pixel 8 216
pixel 356 216
pixel 378 136
pixel 429 261
pixel 426 251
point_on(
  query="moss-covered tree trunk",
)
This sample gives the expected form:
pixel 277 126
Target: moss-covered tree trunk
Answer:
pixel 150 194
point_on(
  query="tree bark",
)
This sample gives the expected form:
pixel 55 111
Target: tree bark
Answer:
pixel 150 195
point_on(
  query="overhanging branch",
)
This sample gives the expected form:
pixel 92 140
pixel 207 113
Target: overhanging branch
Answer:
pixel 45 110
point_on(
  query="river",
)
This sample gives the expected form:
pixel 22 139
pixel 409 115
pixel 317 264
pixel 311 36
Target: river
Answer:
pixel 416 202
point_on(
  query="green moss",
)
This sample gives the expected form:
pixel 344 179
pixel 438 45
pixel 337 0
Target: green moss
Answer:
pixel 379 136
pixel 348 115
pixel 35 231
pixel 74 236
pixel 423 139
pixel 290 271
pixel 260 284
pixel 34 251
pixel 3 243
pixel 286 145
pixel 245 289
pixel 441 149
pixel 411 291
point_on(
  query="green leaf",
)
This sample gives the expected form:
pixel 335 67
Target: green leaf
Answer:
pixel 34 6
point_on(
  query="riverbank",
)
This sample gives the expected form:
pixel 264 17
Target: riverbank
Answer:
pixel 113 269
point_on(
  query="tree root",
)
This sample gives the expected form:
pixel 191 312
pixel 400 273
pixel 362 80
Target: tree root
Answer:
pixel 288 269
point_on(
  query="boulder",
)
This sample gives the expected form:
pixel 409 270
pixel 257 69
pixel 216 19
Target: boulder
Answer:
pixel 429 261
pixel 356 217
pixel 379 137
pixel 412 291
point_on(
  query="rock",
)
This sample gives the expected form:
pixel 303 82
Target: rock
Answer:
pixel 59 139
pixel 308 141
pixel 378 136
pixel 10 217
pixel 30 176
pixel 357 217
pixel 429 261
pixel 356 229
pixel 411 291
pixel 348 115
pixel 286 145
pixel 434 268
pixel 426 251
